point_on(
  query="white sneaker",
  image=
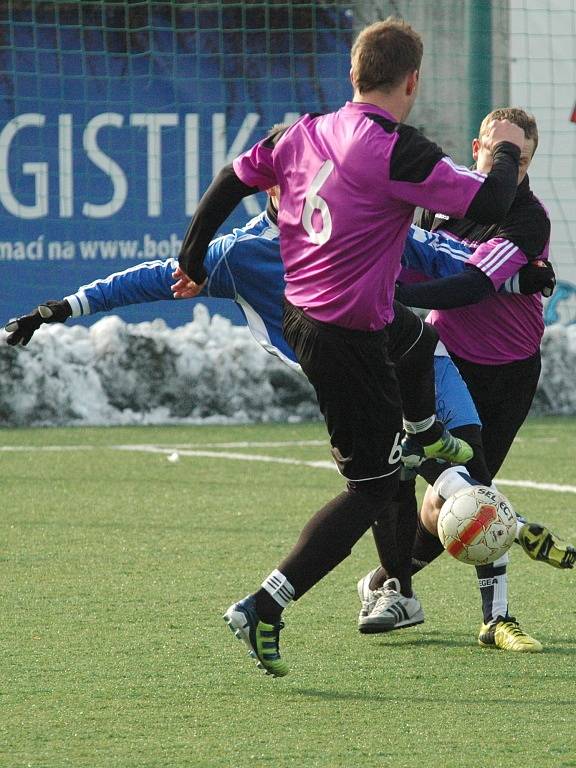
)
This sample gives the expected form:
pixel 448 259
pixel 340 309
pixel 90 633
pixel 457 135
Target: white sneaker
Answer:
pixel 391 610
pixel 368 597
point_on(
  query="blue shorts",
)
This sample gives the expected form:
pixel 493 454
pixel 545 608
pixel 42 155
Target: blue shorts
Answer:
pixel 454 404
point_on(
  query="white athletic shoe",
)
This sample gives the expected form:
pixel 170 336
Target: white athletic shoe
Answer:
pixel 390 609
pixel 367 596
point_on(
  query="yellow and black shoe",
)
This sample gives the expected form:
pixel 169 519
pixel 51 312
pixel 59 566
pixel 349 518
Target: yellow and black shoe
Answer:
pixel 506 634
pixel 541 544
pixel 263 640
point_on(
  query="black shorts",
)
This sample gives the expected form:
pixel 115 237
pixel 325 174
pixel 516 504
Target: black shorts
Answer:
pixel 403 332
pixel 503 395
pixel 357 392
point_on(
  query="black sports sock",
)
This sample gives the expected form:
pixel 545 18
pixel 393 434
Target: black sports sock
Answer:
pixel 267 608
pixel 395 555
pixel 330 534
pixel 493 589
pixel 427 548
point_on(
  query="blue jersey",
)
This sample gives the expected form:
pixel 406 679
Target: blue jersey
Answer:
pixel 245 267
pixel 433 254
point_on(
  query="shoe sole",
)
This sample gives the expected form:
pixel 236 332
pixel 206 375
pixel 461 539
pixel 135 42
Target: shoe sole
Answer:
pixel 241 632
pixel 375 628
pixel 528 649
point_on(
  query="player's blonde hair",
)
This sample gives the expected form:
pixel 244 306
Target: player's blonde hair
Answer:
pixel 384 53
pixel 517 116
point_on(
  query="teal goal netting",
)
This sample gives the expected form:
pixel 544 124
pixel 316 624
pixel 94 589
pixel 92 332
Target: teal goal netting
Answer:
pixel 115 115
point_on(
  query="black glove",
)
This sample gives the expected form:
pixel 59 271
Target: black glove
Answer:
pixel 536 277
pixel 21 329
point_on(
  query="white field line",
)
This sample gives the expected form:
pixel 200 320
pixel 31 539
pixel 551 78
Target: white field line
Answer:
pixel 249 444
pixel 227 455
pixel 32 448
pixel 554 487
pixel 319 464
pixel 537 486
pixel 173 446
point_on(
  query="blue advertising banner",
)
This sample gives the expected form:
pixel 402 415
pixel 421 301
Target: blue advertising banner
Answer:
pixel 109 134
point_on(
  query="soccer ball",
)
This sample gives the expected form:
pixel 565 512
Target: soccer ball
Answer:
pixel 477 525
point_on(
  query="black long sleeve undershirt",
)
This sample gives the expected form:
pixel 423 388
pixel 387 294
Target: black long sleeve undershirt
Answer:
pixel 488 207
pixel 216 204
pixel 468 287
pixel 472 285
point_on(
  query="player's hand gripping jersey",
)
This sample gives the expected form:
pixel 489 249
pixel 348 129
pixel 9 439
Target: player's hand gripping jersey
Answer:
pixel 435 255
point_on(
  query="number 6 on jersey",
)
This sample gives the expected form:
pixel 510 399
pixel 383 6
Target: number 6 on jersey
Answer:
pixel 316 203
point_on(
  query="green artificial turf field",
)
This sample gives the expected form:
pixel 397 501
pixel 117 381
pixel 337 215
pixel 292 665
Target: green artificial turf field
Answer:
pixel 117 565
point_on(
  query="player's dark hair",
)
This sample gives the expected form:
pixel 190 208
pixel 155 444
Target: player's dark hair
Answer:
pixel 384 53
pixel 517 116
pixel 276 132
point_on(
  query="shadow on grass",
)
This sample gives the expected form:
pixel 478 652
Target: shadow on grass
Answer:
pixel 395 696
pixel 393 641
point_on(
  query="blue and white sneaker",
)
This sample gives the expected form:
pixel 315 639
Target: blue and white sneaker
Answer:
pixel 263 640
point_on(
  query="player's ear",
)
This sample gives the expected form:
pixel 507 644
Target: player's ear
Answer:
pixel 412 82
pixel 274 193
pixel 475 148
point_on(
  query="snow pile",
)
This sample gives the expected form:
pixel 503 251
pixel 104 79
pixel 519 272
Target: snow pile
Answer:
pixel 114 373
pixel 206 371
pixel 556 393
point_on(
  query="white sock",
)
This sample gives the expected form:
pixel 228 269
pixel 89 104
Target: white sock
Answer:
pixel 451 480
pixel 494 589
pixel 278 587
pixel 413 427
pixel 502 560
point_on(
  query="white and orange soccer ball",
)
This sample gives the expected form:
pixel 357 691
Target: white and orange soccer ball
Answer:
pixel 477 525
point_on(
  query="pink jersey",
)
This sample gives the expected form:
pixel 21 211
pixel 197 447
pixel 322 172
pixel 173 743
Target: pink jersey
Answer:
pixel 503 328
pixel 350 181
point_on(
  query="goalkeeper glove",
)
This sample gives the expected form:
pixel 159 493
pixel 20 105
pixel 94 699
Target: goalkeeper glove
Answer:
pixel 535 277
pixel 21 329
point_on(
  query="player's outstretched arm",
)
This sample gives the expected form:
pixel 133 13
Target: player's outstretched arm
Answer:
pixel 21 329
pixel 147 282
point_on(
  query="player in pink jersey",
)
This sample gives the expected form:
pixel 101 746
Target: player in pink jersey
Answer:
pixel 495 342
pixel 341 175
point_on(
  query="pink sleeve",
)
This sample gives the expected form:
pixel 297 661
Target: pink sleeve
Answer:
pixel 255 167
pixel 448 189
pixel 499 259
